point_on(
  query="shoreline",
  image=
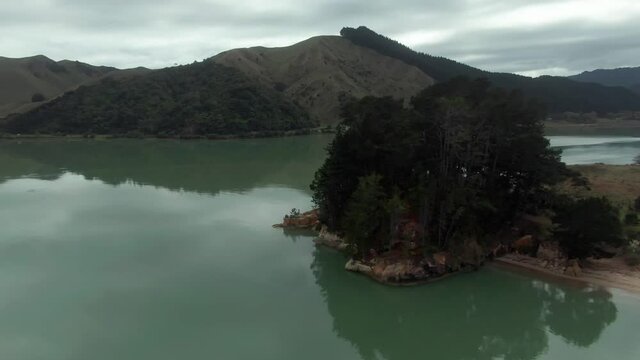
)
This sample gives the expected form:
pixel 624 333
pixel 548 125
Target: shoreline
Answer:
pixel 212 137
pixel 608 279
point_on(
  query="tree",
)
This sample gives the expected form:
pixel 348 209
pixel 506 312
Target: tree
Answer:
pixel 466 159
pixel 583 223
pixel 365 213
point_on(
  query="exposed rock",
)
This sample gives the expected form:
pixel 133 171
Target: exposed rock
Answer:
pixel 442 258
pixel 472 253
pixel 573 268
pixel 329 239
pixel 358 266
pixel 398 271
pixel 497 250
pixel 526 245
pixel 551 256
pixel 307 220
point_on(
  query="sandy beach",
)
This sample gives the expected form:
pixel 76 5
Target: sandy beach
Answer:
pixel 608 273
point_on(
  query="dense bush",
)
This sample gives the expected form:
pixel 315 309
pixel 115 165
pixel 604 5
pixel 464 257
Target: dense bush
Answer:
pixel 464 160
pixel 198 99
pixel 584 223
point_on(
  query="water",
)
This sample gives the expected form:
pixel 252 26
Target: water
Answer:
pixel 616 150
pixel 163 250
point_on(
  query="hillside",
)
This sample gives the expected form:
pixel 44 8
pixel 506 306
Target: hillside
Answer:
pixel 199 99
pixel 559 94
pixel 322 72
pixel 21 79
pixel 626 77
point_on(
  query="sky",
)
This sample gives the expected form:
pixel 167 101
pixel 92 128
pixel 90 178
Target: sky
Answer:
pixel 529 37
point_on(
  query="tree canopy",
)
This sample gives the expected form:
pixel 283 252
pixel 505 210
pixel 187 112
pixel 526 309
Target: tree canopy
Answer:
pixel 198 99
pixel 465 159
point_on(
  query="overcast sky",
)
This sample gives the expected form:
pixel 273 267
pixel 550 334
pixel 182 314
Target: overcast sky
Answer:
pixel 530 37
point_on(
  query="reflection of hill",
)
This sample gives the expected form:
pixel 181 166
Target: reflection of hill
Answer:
pixel 200 166
pixel 476 317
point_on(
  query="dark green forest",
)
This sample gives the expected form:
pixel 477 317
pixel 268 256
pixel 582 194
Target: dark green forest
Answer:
pixel 626 77
pixel 199 99
pixel 464 161
pixel 558 94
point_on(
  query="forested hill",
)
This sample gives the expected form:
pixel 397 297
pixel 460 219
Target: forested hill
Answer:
pixel 627 77
pixel 557 93
pixel 203 98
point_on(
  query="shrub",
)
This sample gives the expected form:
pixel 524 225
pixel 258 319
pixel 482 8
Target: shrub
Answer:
pixel 631 219
pixel 294 212
pixel 633 253
pixel 586 222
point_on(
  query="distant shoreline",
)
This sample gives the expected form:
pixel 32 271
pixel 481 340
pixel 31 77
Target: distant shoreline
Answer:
pixel 249 135
pixel 602 127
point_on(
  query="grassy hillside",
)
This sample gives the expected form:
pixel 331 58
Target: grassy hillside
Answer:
pixel 21 79
pixel 324 71
pixel 198 99
pixel 627 77
pixel 557 93
pixel 619 183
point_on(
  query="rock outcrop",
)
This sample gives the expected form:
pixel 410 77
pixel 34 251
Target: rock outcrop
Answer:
pixel 332 240
pixel 551 256
pixel 573 268
pixel 307 220
pixel 526 245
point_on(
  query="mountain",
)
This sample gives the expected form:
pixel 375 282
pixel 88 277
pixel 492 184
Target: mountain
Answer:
pixel 322 72
pixel 21 79
pixel 202 98
pixel 559 94
pixel 626 77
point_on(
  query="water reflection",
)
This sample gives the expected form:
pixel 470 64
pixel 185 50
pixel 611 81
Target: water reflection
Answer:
pixel 197 166
pixel 484 315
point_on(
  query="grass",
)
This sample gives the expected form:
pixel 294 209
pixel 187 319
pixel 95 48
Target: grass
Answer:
pixel 619 183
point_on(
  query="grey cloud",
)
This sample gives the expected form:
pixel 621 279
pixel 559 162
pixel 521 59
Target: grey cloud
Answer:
pixel 157 33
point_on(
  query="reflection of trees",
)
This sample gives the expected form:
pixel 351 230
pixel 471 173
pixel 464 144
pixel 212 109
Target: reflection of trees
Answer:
pixel 505 317
pixel 299 234
pixel 580 318
pixel 199 166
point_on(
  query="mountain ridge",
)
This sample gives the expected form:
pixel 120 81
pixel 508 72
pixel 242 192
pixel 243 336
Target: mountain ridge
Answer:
pixel 323 72
pixel 559 94
pixel 628 77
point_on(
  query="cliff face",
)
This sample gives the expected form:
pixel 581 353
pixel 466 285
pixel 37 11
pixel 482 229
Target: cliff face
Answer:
pixel 323 72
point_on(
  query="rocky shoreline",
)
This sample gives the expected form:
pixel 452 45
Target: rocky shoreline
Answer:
pixel 403 265
pixel 406 265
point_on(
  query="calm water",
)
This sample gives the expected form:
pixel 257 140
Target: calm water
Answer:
pixel 163 250
pixel 597 149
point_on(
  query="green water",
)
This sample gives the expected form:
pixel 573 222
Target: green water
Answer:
pixel 164 250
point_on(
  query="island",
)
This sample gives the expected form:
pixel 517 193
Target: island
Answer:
pixel 462 176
